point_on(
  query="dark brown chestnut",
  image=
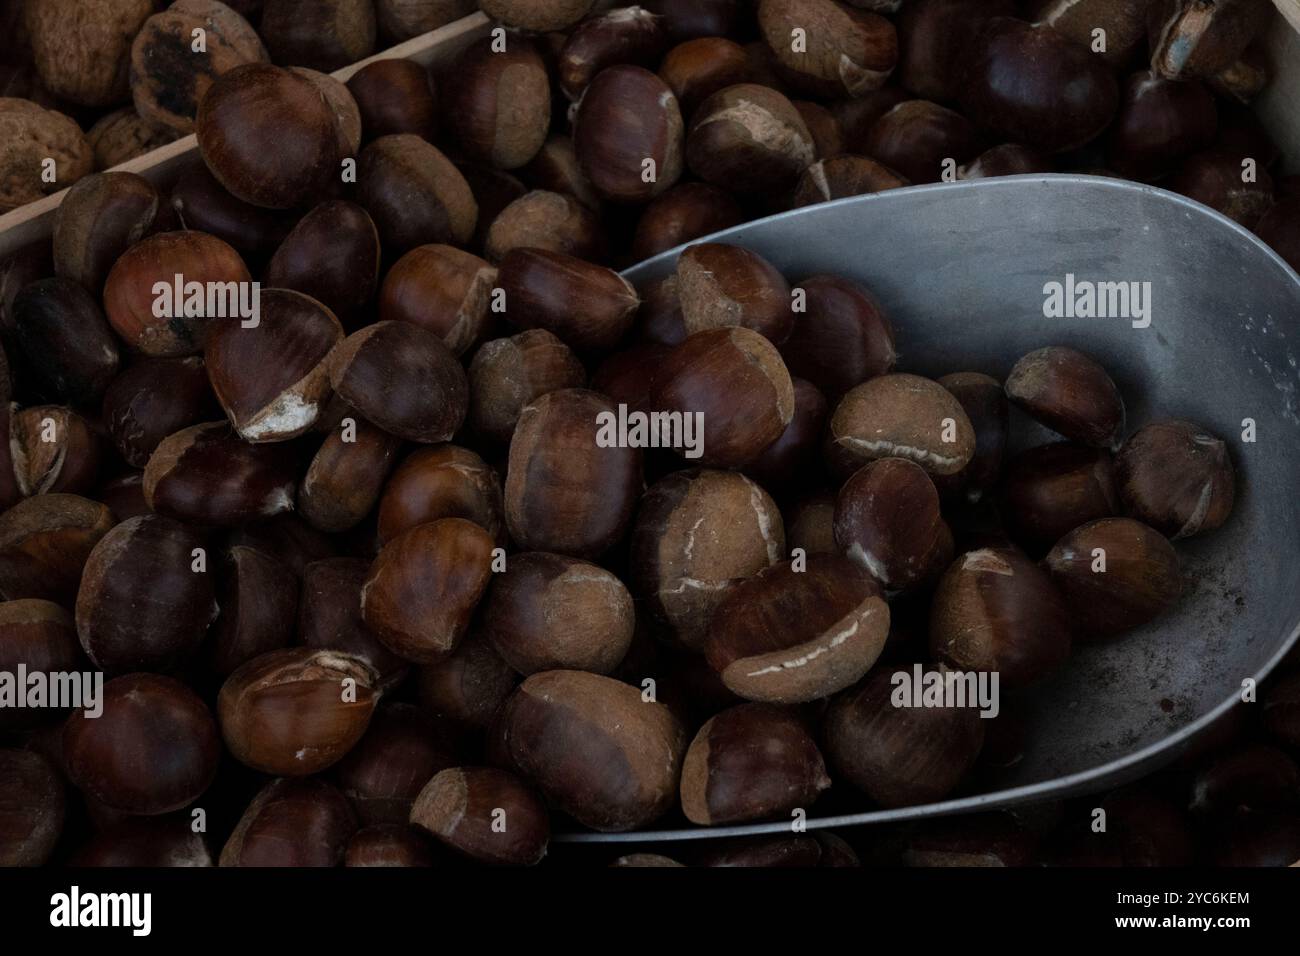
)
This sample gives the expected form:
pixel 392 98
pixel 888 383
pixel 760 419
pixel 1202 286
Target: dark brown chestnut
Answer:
pixel 346 476
pixel 1069 392
pixel 388 845
pixel 395 96
pixel 507 374
pixel 1176 477
pixel 442 288
pixel 934 43
pixel 329 616
pixel 792 461
pixel 685 212
pixel 54 450
pixel 68 346
pixel 901 416
pixel 1160 122
pixel 842 176
pixel 162 841
pixel 1282 709
pixel 623 35
pixel 292 823
pixel 496 102
pixel 154 398
pixel 198 202
pixel 487 814
pixel 628 134
pixel 414 194
pixel 686 19
pixel 749 139
pixel 721 285
pixel 321 34
pixel 1050 490
pixel 32 804
pixel 552 221
pixel 258 601
pixel 841 336
pixel 469 687
pixel 331 255
pixel 44 544
pixel 1193 39
pixel 1236 185
pixel 445 481
pixel 698 68
pixel 99 219
pixel 1256 777
pixel 843 50
pixel 384 772
pixel 41 637
pixel 923 141
pixel 589 307
pixel 985 404
pixel 1009 159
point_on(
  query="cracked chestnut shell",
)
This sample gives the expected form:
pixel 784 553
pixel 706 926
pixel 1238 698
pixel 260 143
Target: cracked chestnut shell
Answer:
pixel 45 542
pixel 847 51
pixel 721 285
pixel 749 139
pixel 1070 393
pixel 487 814
pixel 1176 477
pixel 154 398
pixel 901 416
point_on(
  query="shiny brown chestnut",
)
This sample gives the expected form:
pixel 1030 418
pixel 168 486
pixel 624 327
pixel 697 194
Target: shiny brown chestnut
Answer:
pixel 537 16
pixel 623 35
pixel 1009 159
pixel 589 307
pixel 749 139
pixel 721 285
pixel 698 68
pixel 66 342
pixel 686 19
pixel 147 720
pixel 628 134
pixel 41 637
pixel 995 610
pixel 44 544
pixel 323 35
pixel 841 336
pixel 751 762
pixel 384 772
pixel 1237 186
pixel 842 176
pixel 442 288
pixel 846 51
pixel 1176 477
pixel 555 168
pixel 595 747
pixel 796 632
pixel 329 616
pixel 147 596
pixel 387 845
pixel 346 476
pixel 414 194
pixel 445 481
pixel 934 43
pixel 395 96
pixel 296 711
pixel 162 841
pixel 487 814
pixel 424 586
pixel 1160 122
pixel 154 398
pixel 99 219
pixel 54 449
pixel 496 103
pixel 828 137
pixel 793 460
pixel 901 416
pixel 899 756
pixel 199 202
pixel 923 141
pixel 566 492
pixel 332 255
pixel 810 523
pixel 510 373
pixel 985 403
pixel 541 219
pixel 292 823
pixel 628 376
pixel 685 212
pixel 1050 490
pixel 258 601
pixel 32 805
pixel 1070 393
pixel 468 687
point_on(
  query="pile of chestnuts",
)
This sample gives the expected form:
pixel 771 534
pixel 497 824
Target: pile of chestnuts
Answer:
pixel 303 453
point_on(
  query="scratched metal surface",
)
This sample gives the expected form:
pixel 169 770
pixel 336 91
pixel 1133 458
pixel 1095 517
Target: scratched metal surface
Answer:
pixel 960 269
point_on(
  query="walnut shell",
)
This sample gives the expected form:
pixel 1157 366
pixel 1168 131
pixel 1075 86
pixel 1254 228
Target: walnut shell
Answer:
pixel 82 47
pixel 28 136
pixel 125 134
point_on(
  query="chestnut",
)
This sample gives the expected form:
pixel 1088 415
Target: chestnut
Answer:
pixel 1009 159
pixel 1254 778
pixel 347 115
pixel 552 612
pixel 1034 86
pixel 401 20
pixel 1282 708
pixel 424 586
pixel 645 860
pixel 750 762
pixel 1050 490
pixel 387 845
pixel 468 687
pixel 329 616
pixel 985 403
pixel 65 339
pixel 487 814
pixel 290 539
pixel 685 212
pixel 846 51
pixel 198 202
pixel 403 379
pixel 44 544
pixel 32 804
pixel 687 19
pixel 735 379
pixel 623 35
pixel 564 491
pixel 331 255
pixel 322 34
pixel 1217 178
pixel 41 637
pixel 987 840
pixel 346 476
pixel 698 68
pixel 628 134
pixel 272 378
pixel 828 138
pixel 414 194
pixel 589 307
pixel 995 610
pixel 901 416
pixel 555 168
pixel 258 601
pixel 628 376
pixel 921 139
pixel 292 823
pixel 445 481
pixel 1198 40
pixel 442 288
pixel 1176 477
pixel 130 297
pixel 497 103
pixel 749 139
pixel 934 43
pixel 162 841
pixel 537 16
pixel 395 96
pixel 99 219
pixel 775 851
pixel 540 219
pixel 810 524
pixel 1070 393
pixel 595 747
pixel 124 496
pixel 384 772
pixel 1160 121
pixel 54 450
pixel 790 634
pixel 887 520
pixel 146 596
pixel 154 398
pixel 792 461
pixel 721 285
pixel 295 711
pixel 153 749
pixel 841 338
pixel 899 756
pixel 268 136
pixel 507 374
pixel 844 176
pixel 208 475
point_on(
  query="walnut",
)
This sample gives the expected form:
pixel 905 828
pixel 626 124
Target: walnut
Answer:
pixel 82 47
pixel 168 79
pixel 402 19
pixel 124 134
pixel 29 135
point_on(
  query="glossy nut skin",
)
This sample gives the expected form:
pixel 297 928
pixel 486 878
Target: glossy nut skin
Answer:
pixel 785 636
pixel 294 823
pixel 346 475
pixel 793 461
pixel 329 616
pixel 686 19
pixel 921 140
pixel 496 104
pixel 934 43
pixel 1070 393
pixel 595 748
pixel 1177 478
pixel 720 285
pixel 403 379
pixel 901 416
pixel 1009 159
pixel 32 804
pixel 258 598
pixel 1160 121
pixel 629 119
pixel 698 68
pixel 887 520
pixel 65 340
pixel 986 406
pixel 552 612
pixel 395 96
pixel 751 762
pixel 445 481
pixel 555 168
pixel 332 255
pixel 54 449
pixel 272 379
pixel 685 212
pixel 102 216
pixel 847 51
pixel 208 475
pixel 487 814
pixel 542 219
pixel 469 687
pixel 537 16
pixel 387 845
pixel 748 139
pixel 414 194
pixel 625 35
pixel 154 748
pixel 199 202
pixel 1033 86
pixel 995 610
pixel 899 756
pixel 153 398
pixel 129 290
pixel 321 34
pixel 44 544
pixel 1215 178
pixel 589 307
pixel 296 711
pixel 509 373
pixel 424 586
pixel 142 604
pixel 736 379
pixel 1050 490
pixel 1140 582
pixel 385 771
pixel 442 288
pixel 841 338
pixel 40 636
pixel 563 492
pixel 842 176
